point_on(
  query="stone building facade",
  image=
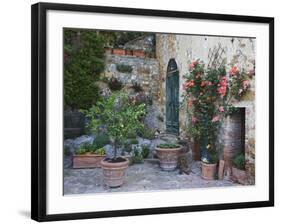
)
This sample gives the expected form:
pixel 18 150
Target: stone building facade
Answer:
pixel 173 54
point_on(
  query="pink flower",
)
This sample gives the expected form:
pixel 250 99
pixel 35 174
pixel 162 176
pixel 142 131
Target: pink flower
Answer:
pixel 233 70
pixel 221 109
pixel 245 84
pixel 203 83
pixel 210 83
pixel 194 119
pixel 192 65
pixel 188 84
pixel 216 118
pixel 222 86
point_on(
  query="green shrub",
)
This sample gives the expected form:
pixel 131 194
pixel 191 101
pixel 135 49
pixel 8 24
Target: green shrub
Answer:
pixel 83 62
pixel 148 133
pixel 100 141
pixel 145 151
pixel 134 142
pixel 168 145
pixel 239 161
pixel 137 156
pixel 100 151
pixel 118 115
pixel 124 68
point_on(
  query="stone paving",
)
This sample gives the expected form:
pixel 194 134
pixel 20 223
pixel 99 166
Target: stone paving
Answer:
pixel 139 177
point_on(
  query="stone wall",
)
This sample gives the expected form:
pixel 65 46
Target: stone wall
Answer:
pixel 145 72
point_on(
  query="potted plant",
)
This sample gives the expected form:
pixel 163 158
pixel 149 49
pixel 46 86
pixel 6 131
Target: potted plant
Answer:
pixel 87 156
pixel 208 95
pixel 168 155
pixel 238 169
pixel 119 118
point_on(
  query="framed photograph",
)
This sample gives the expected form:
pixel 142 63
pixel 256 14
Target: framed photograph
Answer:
pixel 139 111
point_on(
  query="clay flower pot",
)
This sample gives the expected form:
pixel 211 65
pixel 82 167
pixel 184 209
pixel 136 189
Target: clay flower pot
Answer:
pixel 118 51
pixel 239 176
pixel 168 157
pixel 114 172
pixel 87 160
pixel 208 171
pixel 138 53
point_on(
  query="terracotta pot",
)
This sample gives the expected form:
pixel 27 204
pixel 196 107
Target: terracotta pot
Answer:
pixel 118 51
pixel 138 53
pixel 208 171
pixel 168 157
pixel 129 52
pixel 239 176
pixel 195 148
pixel 87 161
pixel 114 173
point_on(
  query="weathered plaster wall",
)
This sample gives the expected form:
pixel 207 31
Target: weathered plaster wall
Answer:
pixel 229 51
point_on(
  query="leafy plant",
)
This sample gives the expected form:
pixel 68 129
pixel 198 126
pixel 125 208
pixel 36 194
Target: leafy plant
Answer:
pixel 168 145
pixel 134 142
pixel 118 116
pixel 145 151
pixel 124 68
pixel 114 84
pixel 137 156
pixel 148 133
pixel 239 161
pixel 101 140
pixel 208 93
pixel 83 62
pixel 100 151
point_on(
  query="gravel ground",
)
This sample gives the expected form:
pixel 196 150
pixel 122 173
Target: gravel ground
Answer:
pixel 139 177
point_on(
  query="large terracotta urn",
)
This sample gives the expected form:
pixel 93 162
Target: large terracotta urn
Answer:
pixel 114 171
pixel 168 157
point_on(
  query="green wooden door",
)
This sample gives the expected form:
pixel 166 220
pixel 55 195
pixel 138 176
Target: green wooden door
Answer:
pixel 172 99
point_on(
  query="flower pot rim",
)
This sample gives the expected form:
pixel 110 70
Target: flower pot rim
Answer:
pixel 117 164
pixel 209 164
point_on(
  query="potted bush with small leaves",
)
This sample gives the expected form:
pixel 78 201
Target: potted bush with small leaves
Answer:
pixel 119 118
pixel 168 155
pixel 238 169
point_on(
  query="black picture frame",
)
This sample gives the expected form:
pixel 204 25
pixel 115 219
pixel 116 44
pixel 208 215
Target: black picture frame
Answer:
pixel 38 116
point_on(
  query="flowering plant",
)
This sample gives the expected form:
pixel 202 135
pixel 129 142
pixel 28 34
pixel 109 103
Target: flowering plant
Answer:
pixel 208 93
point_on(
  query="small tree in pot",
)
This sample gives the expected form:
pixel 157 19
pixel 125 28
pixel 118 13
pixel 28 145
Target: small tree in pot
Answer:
pixel 119 117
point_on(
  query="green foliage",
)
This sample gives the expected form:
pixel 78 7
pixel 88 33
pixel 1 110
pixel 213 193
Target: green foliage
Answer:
pixel 101 140
pixel 137 156
pixel 83 62
pixel 134 142
pixel 118 116
pixel 100 151
pixel 114 84
pixel 239 161
pixel 124 68
pixel 145 151
pixel 148 133
pixel 168 145
pixel 208 93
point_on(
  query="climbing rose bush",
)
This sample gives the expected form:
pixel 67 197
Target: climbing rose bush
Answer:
pixel 208 93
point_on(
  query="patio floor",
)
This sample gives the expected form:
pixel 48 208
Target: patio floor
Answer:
pixel 139 177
